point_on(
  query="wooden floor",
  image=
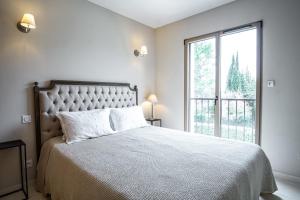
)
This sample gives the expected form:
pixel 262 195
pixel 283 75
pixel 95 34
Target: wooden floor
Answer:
pixel 287 191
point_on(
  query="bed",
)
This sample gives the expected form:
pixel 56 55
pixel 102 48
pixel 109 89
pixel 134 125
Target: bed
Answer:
pixel 142 163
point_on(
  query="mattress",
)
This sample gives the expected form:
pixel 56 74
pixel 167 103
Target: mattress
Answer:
pixel 154 163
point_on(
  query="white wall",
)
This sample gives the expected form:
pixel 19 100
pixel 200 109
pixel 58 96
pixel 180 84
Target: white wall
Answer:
pixel 281 62
pixel 74 40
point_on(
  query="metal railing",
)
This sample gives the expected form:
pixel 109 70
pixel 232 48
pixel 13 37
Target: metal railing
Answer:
pixel 237 117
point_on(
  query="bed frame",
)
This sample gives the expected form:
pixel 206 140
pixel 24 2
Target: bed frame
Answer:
pixel 63 95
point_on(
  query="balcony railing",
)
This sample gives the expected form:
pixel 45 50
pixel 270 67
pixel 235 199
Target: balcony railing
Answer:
pixel 237 117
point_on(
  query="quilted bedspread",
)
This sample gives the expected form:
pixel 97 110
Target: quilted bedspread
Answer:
pixel 154 163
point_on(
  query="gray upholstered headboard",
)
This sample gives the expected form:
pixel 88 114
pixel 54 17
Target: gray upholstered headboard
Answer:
pixel 76 96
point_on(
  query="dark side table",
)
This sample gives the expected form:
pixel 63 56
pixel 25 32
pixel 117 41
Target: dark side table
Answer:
pixel 154 120
pixel 23 167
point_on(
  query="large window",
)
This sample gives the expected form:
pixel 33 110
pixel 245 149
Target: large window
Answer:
pixel 223 83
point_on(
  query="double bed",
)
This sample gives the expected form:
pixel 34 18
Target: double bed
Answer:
pixel 141 163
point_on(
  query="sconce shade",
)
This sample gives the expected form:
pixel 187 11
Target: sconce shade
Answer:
pixel 144 50
pixel 28 21
pixel 152 98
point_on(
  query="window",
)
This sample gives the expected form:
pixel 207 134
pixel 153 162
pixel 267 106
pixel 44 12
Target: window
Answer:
pixel 222 83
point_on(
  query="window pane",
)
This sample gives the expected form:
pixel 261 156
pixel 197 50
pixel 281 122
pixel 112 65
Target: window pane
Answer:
pixel 238 85
pixel 202 85
pixel 203 68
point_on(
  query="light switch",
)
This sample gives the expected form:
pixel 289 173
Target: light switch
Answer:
pixel 271 83
pixel 29 163
pixel 26 119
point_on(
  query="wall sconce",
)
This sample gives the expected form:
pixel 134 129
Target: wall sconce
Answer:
pixel 27 23
pixel 142 52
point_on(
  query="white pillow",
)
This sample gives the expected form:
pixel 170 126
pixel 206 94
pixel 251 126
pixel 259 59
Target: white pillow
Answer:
pixel 78 126
pixel 127 118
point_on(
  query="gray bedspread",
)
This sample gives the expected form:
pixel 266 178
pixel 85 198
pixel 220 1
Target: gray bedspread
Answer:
pixel 154 163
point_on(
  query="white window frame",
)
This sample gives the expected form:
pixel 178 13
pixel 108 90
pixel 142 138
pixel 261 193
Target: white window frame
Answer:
pixel 217 35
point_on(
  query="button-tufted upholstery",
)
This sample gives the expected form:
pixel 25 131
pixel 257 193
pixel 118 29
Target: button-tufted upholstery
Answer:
pixel 79 98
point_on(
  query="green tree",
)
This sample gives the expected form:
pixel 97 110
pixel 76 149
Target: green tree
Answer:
pixel 248 89
pixel 239 83
pixel 203 70
pixel 234 82
pixel 204 76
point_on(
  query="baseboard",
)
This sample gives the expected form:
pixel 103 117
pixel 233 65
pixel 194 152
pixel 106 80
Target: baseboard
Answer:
pixel 15 187
pixel 10 188
pixel 286 176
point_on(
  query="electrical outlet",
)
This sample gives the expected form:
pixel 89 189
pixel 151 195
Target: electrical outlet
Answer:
pixel 26 119
pixel 29 163
pixel 271 83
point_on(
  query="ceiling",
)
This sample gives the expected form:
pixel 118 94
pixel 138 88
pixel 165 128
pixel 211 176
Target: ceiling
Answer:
pixel 157 13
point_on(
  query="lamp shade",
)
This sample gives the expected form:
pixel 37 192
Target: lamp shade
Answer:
pixel 152 98
pixel 144 50
pixel 28 21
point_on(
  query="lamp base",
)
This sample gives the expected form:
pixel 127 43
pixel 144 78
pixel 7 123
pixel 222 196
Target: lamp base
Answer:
pixel 22 28
pixel 152 109
pixel 136 53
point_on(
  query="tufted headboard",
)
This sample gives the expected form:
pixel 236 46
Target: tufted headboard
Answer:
pixel 75 96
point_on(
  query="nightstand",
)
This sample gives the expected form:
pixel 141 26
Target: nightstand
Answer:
pixel 23 168
pixel 154 120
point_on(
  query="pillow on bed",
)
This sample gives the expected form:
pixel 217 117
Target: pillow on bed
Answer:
pixel 78 126
pixel 127 118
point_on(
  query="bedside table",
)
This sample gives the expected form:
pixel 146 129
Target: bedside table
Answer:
pixel 154 120
pixel 23 167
